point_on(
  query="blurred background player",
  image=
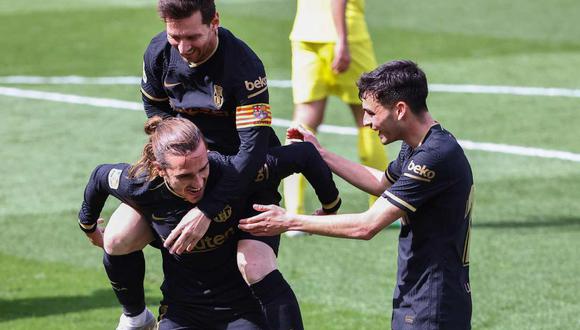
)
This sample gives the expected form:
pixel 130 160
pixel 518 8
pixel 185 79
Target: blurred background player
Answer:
pixel 331 48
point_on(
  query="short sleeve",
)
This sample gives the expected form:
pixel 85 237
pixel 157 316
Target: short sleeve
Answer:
pixel 422 176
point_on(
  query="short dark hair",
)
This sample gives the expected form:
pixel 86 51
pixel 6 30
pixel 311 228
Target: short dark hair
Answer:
pixel 179 9
pixel 395 81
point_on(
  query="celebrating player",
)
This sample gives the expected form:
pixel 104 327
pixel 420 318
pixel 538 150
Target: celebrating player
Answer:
pixel 429 185
pixel 197 70
pixel 202 288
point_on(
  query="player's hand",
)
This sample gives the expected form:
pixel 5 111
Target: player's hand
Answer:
pixel 188 232
pixel 341 60
pixel 96 237
pixel 272 221
pixel 300 133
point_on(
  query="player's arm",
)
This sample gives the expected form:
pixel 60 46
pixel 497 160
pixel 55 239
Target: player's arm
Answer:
pixel 275 220
pixel 363 177
pixel 304 158
pixel 253 123
pixel 105 180
pixel 341 60
pixel 153 94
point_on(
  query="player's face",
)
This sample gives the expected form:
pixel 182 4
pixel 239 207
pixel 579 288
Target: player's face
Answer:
pixel 187 175
pixel 380 119
pixel 194 40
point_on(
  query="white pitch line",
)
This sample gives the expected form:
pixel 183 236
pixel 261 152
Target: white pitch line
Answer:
pixel 341 130
pixel 437 88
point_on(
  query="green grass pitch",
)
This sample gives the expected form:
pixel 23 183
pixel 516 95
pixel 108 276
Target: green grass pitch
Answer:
pixel 526 226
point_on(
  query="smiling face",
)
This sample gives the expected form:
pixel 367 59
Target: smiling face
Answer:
pixel 187 174
pixel 382 119
pixel 194 40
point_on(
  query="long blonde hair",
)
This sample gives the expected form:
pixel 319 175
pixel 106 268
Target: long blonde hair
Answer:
pixel 176 136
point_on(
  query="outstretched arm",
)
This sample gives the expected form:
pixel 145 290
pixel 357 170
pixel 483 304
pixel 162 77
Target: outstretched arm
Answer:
pixel 363 177
pixel 275 220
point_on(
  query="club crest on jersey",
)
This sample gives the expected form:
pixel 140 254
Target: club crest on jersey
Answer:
pixel 218 96
pixel 421 170
pixel 224 214
pixel 260 111
pixel 114 176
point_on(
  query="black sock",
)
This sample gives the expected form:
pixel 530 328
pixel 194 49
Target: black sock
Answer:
pixel 278 302
pixel 126 273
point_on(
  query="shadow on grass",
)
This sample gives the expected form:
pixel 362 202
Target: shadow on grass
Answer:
pixel 13 309
pixel 530 223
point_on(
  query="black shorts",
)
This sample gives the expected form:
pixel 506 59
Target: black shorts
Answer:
pixel 180 319
pixel 265 197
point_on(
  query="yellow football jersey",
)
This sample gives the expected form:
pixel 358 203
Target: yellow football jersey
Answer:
pixel 313 21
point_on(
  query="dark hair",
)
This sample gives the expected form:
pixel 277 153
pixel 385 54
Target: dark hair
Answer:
pixel 179 9
pixel 176 136
pixel 396 81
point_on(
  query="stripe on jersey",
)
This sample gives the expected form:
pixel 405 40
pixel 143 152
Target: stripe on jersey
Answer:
pixel 400 201
pixel 152 98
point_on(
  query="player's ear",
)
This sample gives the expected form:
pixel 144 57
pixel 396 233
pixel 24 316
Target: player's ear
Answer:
pixel 215 21
pixel 160 170
pixel 401 109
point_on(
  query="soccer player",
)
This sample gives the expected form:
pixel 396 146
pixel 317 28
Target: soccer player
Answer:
pixel 331 48
pixel 429 185
pixel 202 288
pixel 197 70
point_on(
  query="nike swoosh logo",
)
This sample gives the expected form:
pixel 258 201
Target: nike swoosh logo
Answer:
pixel 156 218
pixel 168 85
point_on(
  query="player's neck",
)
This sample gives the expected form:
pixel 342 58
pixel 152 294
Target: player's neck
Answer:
pixel 418 129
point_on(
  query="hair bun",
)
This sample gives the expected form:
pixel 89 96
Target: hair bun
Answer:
pixel 152 124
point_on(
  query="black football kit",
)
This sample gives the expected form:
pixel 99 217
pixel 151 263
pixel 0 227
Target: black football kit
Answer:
pixel 433 183
pixel 204 288
pixel 226 97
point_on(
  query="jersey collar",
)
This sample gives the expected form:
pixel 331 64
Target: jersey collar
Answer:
pixel 428 133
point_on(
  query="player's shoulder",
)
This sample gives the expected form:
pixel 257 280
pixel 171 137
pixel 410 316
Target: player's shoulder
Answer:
pixel 157 46
pixel 237 51
pixel 120 177
pixel 441 151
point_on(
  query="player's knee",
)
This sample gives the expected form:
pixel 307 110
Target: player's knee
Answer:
pixel 114 245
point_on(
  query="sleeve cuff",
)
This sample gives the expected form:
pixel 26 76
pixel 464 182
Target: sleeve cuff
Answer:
pixel 332 207
pixel 88 228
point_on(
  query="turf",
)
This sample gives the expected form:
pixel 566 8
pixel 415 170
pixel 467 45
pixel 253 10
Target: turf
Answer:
pixel 526 220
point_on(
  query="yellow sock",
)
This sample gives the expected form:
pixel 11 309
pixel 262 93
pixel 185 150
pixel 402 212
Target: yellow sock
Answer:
pixel 371 152
pixel 294 187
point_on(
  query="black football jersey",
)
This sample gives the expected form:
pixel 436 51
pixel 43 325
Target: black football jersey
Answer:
pixel 433 183
pixel 226 97
pixel 208 276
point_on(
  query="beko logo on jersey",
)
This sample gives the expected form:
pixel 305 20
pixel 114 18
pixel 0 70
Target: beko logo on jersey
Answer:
pixel 256 84
pixel 421 170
